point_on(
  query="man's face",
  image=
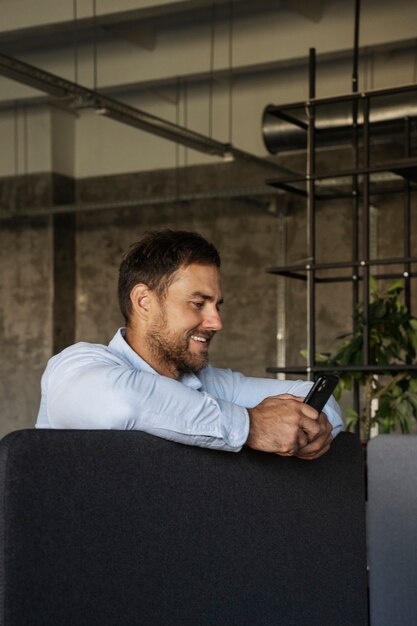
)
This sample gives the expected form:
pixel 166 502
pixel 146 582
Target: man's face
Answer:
pixel 185 319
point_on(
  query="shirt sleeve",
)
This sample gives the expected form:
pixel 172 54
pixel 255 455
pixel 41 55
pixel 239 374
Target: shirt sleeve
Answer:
pixel 88 387
pixel 248 392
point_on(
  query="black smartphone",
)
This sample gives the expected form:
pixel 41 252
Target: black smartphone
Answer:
pixel 321 391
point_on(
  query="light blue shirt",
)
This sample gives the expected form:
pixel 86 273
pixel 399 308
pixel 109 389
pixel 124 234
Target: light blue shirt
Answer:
pixel 92 386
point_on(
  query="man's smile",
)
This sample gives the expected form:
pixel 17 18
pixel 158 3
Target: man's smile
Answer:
pixel 200 339
pixel 203 339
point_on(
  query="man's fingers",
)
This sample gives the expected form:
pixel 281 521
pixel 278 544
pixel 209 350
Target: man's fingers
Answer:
pixel 288 396
pixel 305 409
pixel 285 396
pixel 302 439
pixel 301 454
pixel 311 427
pixel 308 411
pixel 316 448
pixel 324 428
pixel 288 452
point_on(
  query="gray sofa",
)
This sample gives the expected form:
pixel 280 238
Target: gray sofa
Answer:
pixel 392 530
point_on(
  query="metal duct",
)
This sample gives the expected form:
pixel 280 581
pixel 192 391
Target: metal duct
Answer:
pixel 286 129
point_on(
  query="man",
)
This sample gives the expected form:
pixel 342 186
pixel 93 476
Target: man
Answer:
pixel 154 375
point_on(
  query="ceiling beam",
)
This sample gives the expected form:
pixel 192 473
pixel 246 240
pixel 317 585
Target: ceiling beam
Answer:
pixel 76 95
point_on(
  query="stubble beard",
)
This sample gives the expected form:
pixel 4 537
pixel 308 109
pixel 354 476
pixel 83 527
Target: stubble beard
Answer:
pixel 172 350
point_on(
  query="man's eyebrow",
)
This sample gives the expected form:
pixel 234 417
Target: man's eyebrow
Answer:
pixel 204 296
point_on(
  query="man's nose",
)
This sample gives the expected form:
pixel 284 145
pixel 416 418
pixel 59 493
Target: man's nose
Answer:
pixel 213 321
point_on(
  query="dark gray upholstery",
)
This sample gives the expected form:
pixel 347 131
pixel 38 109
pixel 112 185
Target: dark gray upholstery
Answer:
pixel 121 528
pixel 392 530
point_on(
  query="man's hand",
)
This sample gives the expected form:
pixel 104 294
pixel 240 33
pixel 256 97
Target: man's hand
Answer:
pixel 285 425
pixel 320 443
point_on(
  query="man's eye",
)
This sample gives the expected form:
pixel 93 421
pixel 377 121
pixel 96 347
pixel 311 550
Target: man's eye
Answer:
pixel 198 305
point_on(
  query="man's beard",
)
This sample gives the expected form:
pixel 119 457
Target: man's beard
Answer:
pixel 173 349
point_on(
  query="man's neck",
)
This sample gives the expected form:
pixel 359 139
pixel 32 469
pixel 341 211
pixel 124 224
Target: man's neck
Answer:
pixel 141 346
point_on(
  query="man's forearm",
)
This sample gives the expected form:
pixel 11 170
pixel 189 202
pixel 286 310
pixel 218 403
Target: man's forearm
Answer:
pixel 104 393
pixel 252 391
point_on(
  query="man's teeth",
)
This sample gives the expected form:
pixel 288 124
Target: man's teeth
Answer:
pixel 198 338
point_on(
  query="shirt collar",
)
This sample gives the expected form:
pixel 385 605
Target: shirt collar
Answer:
pixel 120 346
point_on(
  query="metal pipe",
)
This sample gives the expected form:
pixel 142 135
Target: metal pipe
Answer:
pixel 311 218
pixel 345 368
pixel 356 46
pixel 393 166
pixel 281 299
pixel 57 86
pixel 366 236
pixel 80 96
pixel 342 264
pixel 348 97
pixel 247 193
pixel 334 121
pixel 407 217
pixel 355 179
pixel 346 279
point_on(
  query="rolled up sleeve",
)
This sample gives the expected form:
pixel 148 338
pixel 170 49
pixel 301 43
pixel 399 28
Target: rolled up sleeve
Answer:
pixel 88 387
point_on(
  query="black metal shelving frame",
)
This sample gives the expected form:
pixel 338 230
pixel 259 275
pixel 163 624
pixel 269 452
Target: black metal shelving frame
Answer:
pixel 361 263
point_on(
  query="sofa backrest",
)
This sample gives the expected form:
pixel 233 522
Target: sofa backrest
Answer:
pixel 121 528
pixel 392 529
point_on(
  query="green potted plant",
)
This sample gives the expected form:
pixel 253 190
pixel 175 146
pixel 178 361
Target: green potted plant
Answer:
pixel 388 399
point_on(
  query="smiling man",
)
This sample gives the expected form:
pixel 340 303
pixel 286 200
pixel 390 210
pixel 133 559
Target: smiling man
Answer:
pixel 172 329
pixel 155 375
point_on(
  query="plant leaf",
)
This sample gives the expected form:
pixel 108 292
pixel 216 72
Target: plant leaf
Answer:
pixel 396 286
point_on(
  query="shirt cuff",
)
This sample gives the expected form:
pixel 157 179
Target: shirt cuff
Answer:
pixel 234 425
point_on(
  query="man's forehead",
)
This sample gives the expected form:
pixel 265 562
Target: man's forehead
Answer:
pixel 198 278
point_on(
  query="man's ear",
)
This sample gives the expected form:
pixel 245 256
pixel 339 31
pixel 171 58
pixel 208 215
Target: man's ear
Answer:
pixel 141 298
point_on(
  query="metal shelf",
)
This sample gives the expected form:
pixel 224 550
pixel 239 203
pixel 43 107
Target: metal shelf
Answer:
pixel 359 188
pixel 343 368
pixel 404 168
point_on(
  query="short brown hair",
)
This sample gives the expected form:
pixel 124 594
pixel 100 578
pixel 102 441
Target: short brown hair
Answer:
pixel 155 258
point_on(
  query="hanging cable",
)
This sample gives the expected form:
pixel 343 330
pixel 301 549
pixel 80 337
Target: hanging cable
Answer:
pixel 177 145
pixel 25 142
pixel 371 70
pixel 16 138
pixel 185 89
pixel 75 16
pixel 95 46
pixel 25 195
pixel 230 71
pixel 211 79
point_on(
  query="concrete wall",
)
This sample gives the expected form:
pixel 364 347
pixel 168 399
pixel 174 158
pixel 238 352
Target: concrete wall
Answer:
pixel 243 230
pixel 25 304
pixel 194 64
pixel 47 301
pixel 37 282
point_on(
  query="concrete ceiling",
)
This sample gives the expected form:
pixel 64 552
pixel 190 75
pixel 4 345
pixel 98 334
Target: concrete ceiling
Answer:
pixel 190 39
pixel 208 65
